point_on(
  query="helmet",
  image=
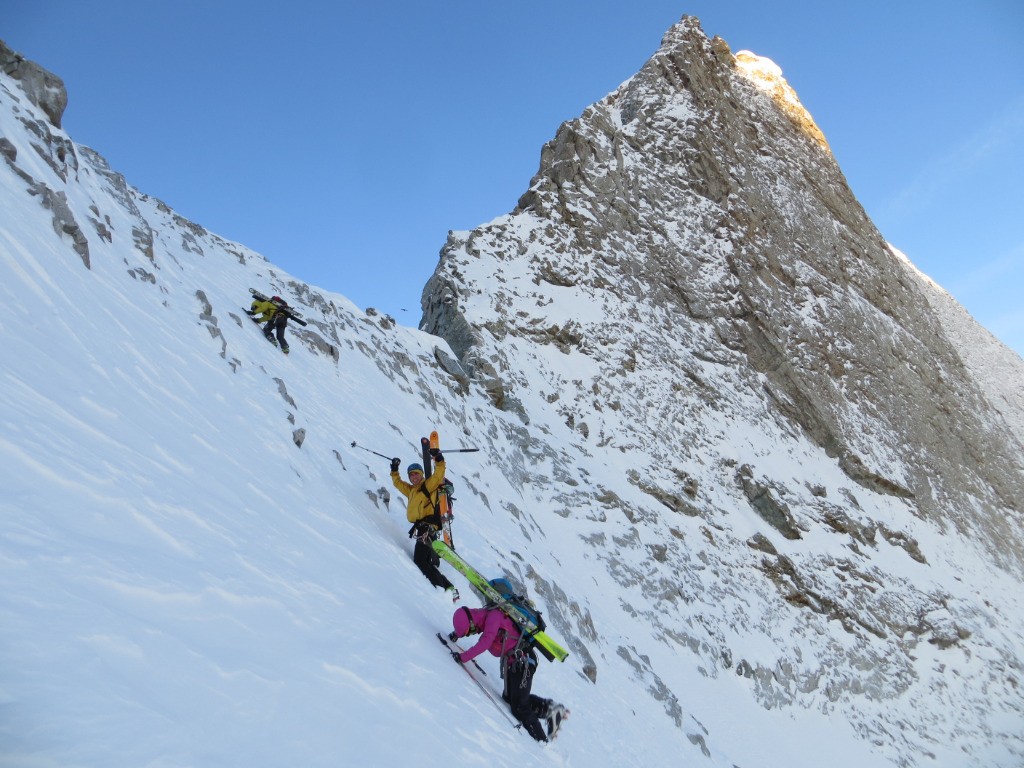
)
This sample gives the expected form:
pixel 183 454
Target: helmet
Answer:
pixel 279 300
pixel 414 468
pixel 462 622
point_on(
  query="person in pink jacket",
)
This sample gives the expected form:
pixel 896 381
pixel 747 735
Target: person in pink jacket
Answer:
pixel 500 636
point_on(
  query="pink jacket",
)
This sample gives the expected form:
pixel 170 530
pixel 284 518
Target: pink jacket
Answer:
pixel 499 633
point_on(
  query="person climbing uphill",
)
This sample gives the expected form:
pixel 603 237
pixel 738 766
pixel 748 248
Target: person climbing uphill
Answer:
pixel 421 511
pixel 273 312
pixel 500 636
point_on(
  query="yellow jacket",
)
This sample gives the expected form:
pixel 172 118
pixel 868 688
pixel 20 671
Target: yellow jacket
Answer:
pixel 266 308
pixel 420 506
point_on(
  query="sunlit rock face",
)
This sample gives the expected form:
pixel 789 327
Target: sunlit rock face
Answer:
pixel 696 216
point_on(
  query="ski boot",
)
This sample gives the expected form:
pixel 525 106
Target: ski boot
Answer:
pixel 557 714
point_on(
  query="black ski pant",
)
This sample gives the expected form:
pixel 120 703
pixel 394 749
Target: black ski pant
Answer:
pixel 426 560
pixel 526 707
pixel 277 323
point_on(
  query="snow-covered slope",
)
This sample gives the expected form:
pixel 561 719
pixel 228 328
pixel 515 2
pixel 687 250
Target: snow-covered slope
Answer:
pixel 199 568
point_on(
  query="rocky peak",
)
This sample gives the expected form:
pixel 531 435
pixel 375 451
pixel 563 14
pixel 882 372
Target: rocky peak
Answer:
pixel 699 205
pixel 689 268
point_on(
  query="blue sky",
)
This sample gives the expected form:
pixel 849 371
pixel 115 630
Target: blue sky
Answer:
pixel 343 140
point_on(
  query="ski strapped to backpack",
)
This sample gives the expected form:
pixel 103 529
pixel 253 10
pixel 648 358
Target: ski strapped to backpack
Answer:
pixel 521 603
pixel 519 654
pixel 444 498
pixel 527 618
pixel 443 505
pixel 285 309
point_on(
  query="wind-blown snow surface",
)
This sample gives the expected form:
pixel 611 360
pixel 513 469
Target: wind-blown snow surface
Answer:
pixel 183 584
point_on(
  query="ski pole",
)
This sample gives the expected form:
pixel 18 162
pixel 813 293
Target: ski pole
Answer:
pixel 460 450
pixel 481 686
pixel 368 450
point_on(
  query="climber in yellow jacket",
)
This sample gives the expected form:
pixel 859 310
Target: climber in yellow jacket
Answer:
pixel 273 312
pixel 421 511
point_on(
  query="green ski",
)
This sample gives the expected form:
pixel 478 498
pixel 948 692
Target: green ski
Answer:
pixel 545 644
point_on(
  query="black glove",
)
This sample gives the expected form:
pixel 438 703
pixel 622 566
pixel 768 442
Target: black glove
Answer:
pixel 457 657
pixel 436 453
pixel 395 464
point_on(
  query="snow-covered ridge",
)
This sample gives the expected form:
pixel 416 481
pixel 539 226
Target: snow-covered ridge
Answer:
pixel 200 568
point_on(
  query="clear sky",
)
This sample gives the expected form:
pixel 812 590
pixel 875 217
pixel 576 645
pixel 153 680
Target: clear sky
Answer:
pixel 344 139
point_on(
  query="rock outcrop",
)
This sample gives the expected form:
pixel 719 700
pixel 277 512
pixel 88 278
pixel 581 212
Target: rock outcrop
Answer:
pixel 42 87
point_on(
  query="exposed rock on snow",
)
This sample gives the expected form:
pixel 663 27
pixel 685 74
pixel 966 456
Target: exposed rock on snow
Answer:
pixel 41 87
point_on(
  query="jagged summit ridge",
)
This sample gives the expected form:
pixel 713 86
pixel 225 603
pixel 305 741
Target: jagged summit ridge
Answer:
pixel 686 199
